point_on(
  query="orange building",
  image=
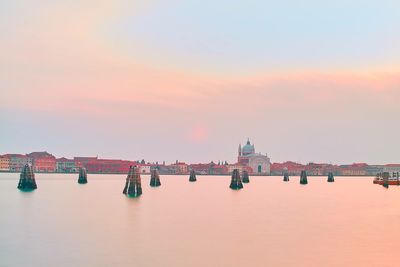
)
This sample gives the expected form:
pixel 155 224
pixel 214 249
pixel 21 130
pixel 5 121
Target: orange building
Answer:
pixel 43 162
pixel 4 163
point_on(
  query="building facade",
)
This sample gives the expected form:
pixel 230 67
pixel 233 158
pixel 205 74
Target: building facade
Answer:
pixel 392 169
pixel 4 163
pixel 355 169
pixel 240 167
pixel 180 167
pixel 259 163
pixel 145 168
pixel 18 161
pixel 43 162
pixel 108 166
pixel 67 165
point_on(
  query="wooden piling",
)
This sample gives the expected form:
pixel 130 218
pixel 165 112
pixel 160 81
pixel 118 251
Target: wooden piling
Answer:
pixel 245 177
pixel 133 185
pixel 192 177
pixel 27 180
pixel 82 176
pixel 303 177
pixel 331 179
pixel 236 182
pixel 155 178
pixel 286 177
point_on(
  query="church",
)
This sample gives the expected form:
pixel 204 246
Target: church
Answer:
pixel 259 163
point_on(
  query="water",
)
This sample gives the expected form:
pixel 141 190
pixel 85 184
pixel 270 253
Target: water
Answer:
pixel 269 223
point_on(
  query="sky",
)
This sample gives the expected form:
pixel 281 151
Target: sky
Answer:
pixel 307 81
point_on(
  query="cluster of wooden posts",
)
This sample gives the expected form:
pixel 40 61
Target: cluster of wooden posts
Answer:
pixel 133 184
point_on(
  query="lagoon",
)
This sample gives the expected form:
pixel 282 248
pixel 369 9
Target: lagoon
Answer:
pixel 350 222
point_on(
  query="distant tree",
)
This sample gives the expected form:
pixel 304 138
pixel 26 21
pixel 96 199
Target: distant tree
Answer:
pixel 142 162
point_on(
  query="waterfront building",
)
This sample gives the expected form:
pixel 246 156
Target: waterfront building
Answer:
pixel 321 169
pixel 209 168
pixel 289 167
pixel 4 163
pixel 201 168
pixel 108 166
pixel 219 169
pixel 85 160
pixel 293 168
pixel 166 169
pixel 355 169
pixel 18 161
pixel 145 168
pixel 67 165
pixel 391 169
pixel 43 162
pixel 373 170
pixel 259 163
pixel 180 168
pixel 239 167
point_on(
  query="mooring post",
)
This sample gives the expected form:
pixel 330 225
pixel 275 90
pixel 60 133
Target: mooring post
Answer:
pixel 303 177
pixel 286 177
pixel 245 177
pixel 331 179
pixel 27 180
pixel 155 178
pixel 236 182
pixel 133 185
pixel 82 176
pixel 192 177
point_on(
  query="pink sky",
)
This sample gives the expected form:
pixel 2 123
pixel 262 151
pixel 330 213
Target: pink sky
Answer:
pixel 85 92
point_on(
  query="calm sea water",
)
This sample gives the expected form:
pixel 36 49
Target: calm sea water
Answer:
pixel 269 223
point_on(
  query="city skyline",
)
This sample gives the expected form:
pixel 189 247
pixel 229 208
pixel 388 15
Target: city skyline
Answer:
pixel 314 82
pixel 235 160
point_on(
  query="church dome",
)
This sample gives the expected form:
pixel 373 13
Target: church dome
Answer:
pixel 248 149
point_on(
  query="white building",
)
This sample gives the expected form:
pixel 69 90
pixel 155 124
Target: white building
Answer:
pixel 392 169
pixel 259 163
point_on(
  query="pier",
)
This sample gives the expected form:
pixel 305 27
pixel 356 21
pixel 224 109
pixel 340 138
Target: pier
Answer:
pixel 82 176
pixel 155 178
pixel 133 185
pixel 27 180
pixel 303 177
pixel 236 182
pixel 245 177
